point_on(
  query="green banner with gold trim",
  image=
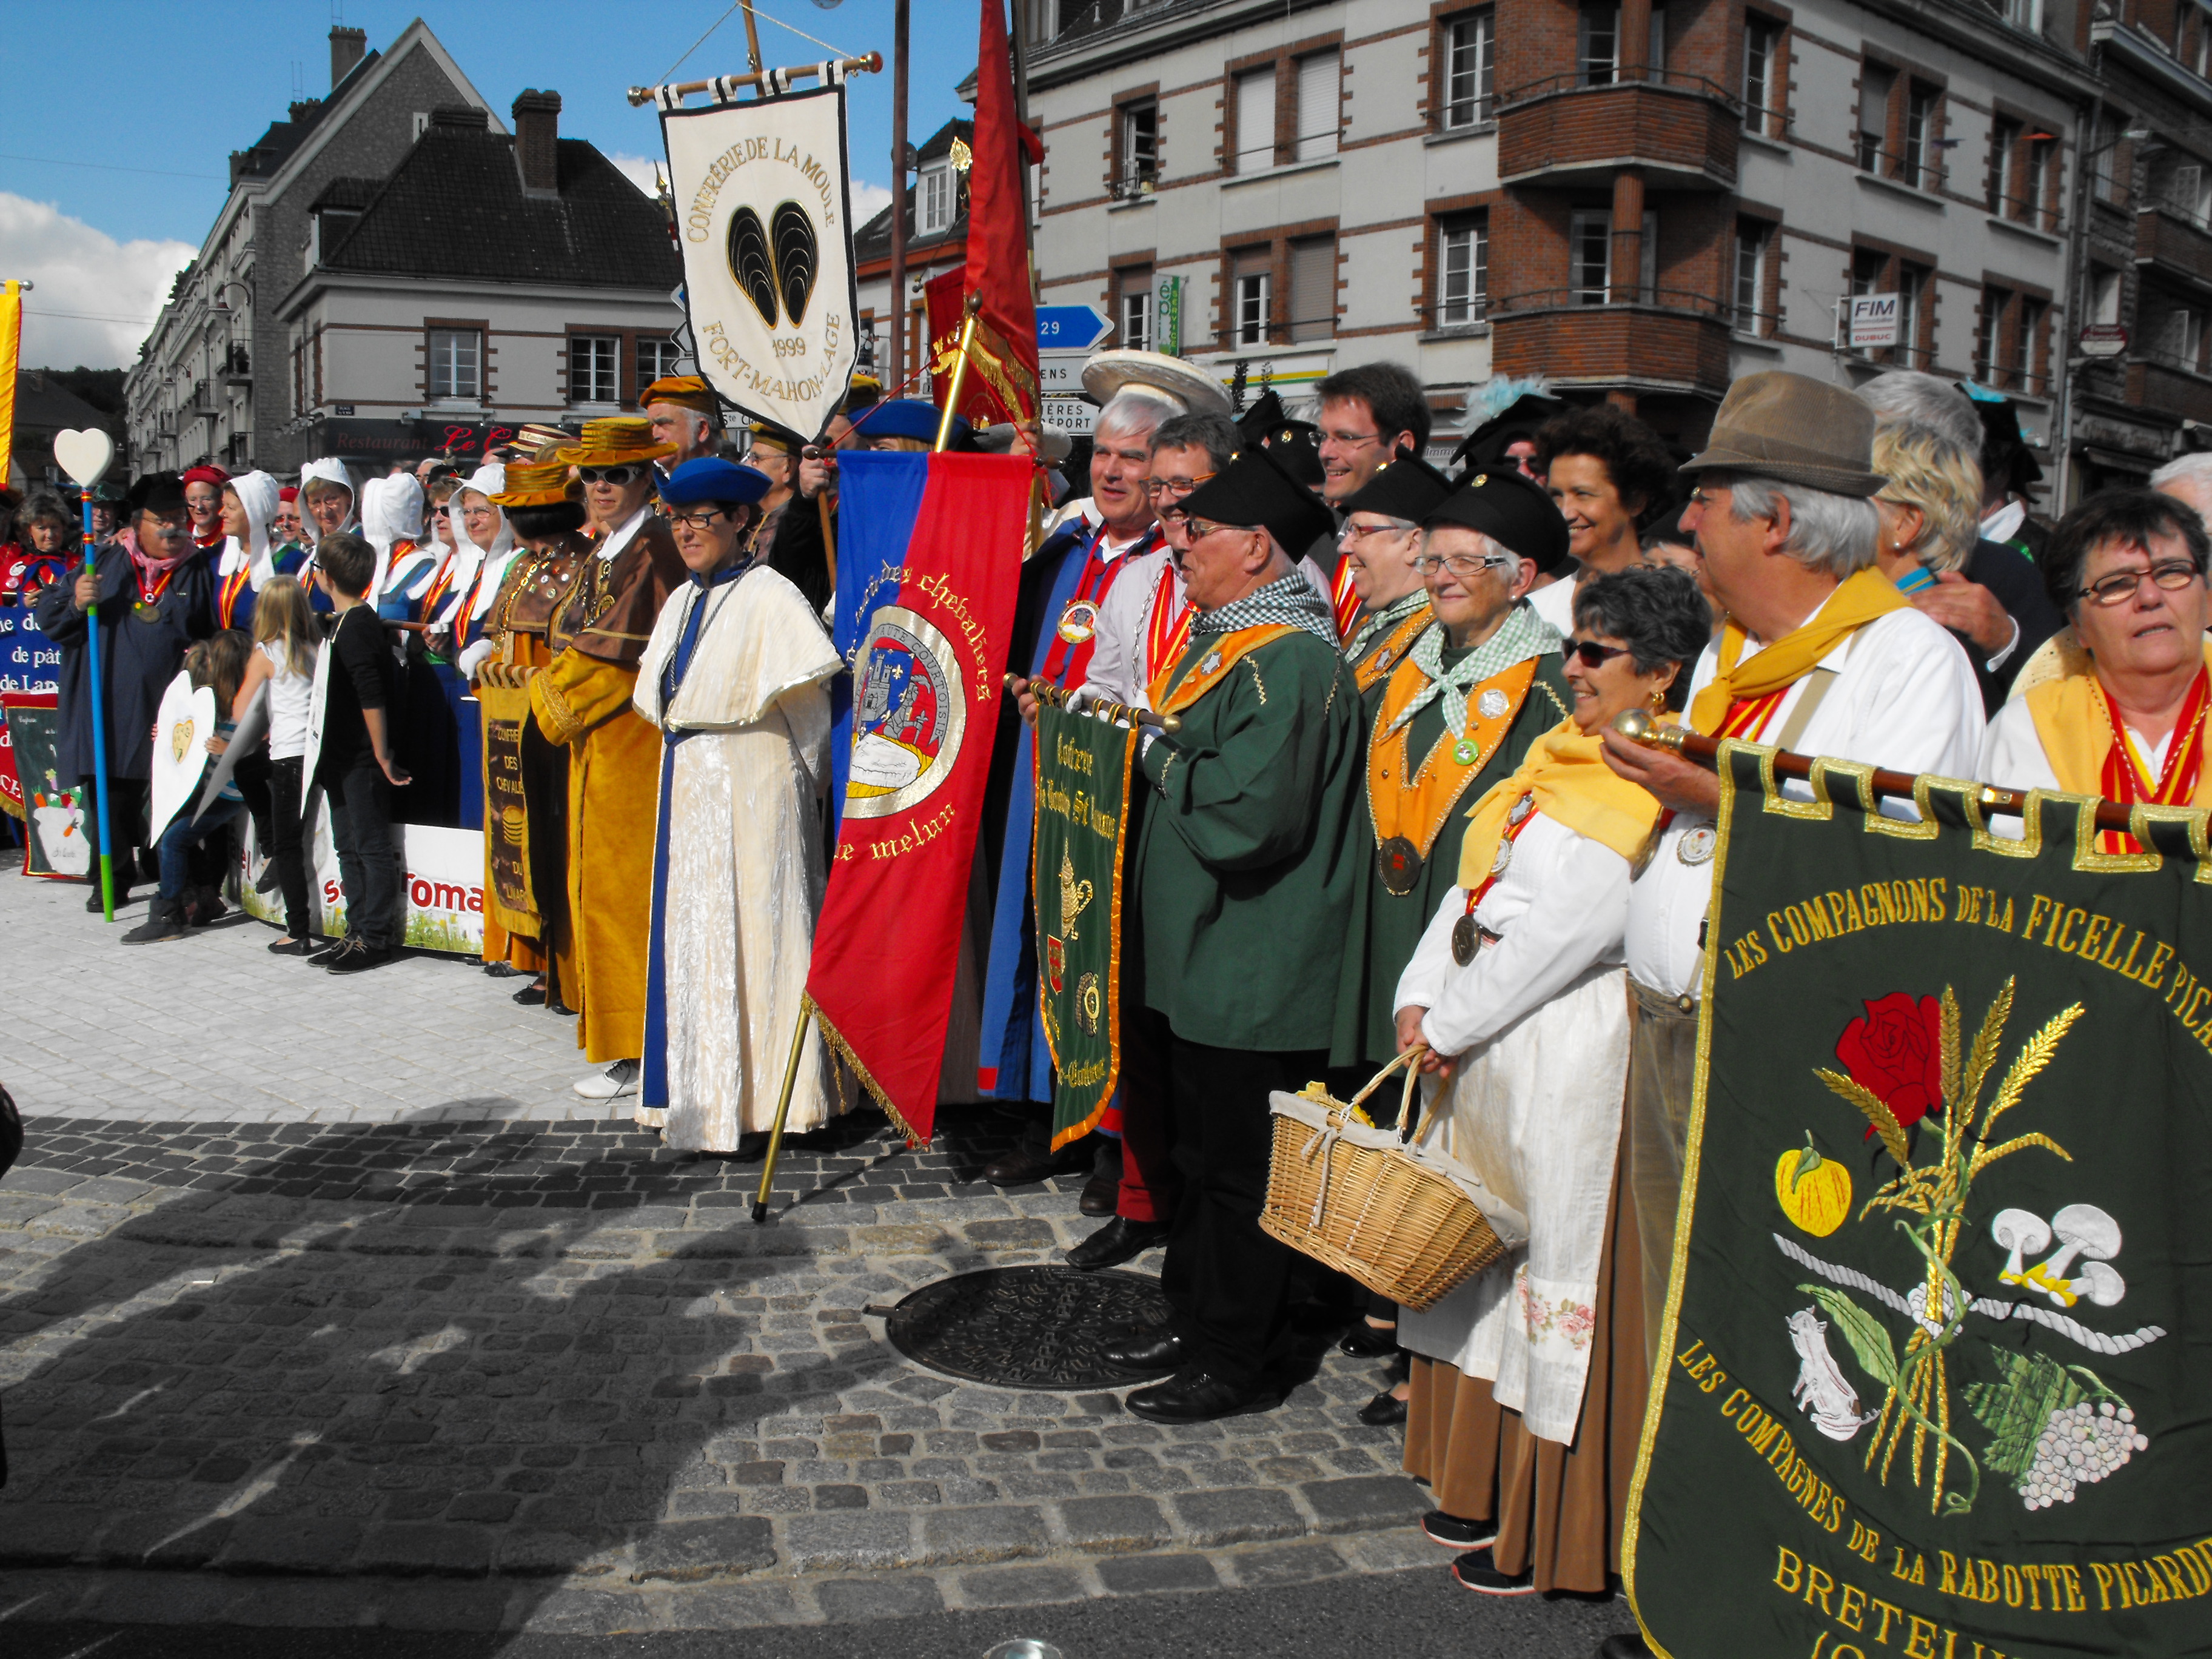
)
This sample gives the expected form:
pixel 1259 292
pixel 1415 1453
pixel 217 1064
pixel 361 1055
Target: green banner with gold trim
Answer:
pixel 1082 827
pixel 1927 1378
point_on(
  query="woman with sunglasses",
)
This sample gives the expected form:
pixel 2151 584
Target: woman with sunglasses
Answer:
pixel 737 676
pixel 2127 721
pixel 582 699
pixel 1525 1407
pixel 1474 682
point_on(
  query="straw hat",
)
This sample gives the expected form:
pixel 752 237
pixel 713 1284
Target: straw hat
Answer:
pixel 615 439
pixel 685 391
pixel 545 484
pixel 1107 372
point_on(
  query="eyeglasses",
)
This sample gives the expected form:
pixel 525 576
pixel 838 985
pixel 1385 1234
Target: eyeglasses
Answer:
pixel 1352 533
pixel 1352 439
pixel 1155 487
pixel 441 512
pixel 1202 528
pixel 1592 654
pixel 626 472
pixel 1461 564
pixel 700 520
pixel 2120 587
pixel 1709 498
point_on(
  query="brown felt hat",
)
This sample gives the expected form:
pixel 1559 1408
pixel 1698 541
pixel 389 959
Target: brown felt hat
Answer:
pixel 685 390
pixel 1796 429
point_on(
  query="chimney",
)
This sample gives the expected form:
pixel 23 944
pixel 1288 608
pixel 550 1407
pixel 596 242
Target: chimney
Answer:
pixel 347 47
pixel 537 138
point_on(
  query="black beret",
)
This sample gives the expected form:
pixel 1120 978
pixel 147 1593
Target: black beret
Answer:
pixel 1485 448
pixel 1407 487
pixel 1254 491
pixel 1513 511
pixel 155 492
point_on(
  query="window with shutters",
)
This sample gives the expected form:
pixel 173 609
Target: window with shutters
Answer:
pixel 1914 287
pixel 2188 191
pixel 1140 146
pixel 593 368
pixel 2004 167
pixel 1468 46
pixel 1462 271
pixel 2039 182
pixel 1255 120
pixel 1765 77
pixel 1923 124
pixel 456 364
pixel 1313 290
pixel 1319 106
pixel 2030 352
pixel 1988 331
pixel 936 200
pixel 1597 43
pixel 1133 308
pixel 2183 345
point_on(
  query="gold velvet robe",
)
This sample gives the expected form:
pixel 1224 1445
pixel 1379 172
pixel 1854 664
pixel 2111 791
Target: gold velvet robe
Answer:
pixel 582 699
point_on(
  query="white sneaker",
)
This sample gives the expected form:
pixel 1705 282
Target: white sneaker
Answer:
pixel 617 1080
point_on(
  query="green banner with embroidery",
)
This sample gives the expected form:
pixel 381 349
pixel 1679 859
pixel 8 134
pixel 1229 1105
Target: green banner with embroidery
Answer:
pixel 1083 766
pixel 1927 1384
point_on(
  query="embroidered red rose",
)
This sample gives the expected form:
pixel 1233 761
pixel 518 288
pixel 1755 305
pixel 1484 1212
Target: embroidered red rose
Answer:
pixel 1897 1051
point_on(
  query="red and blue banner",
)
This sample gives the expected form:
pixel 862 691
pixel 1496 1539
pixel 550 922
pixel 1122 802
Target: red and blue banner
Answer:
pixel 929 561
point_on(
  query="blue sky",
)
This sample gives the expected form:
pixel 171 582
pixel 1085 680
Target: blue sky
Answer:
pixel 179 86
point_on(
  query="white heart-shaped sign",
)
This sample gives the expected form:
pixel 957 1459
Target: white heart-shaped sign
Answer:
pixel 85 455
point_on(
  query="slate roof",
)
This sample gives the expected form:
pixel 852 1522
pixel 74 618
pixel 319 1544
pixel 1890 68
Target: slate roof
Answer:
pixel 268 152
pixel 455 208
pixel 347 193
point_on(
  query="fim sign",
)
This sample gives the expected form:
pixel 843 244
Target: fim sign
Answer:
pixel 1874 320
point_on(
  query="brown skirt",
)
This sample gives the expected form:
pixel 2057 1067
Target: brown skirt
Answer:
pixel 1559 1509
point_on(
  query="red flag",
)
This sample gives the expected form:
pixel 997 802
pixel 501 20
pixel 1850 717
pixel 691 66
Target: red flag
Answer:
pixel 1002 364
pixel 934 579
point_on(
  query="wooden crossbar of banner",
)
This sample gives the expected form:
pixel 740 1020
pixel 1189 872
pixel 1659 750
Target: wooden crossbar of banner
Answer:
pixel 1691 746
pixel 872 64
pixel 1125 713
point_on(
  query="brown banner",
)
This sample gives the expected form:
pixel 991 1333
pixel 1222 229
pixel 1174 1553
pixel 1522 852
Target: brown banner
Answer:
pixel 507 897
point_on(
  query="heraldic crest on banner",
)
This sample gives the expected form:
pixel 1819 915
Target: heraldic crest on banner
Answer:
pixel 764 223
pixel 1922 1359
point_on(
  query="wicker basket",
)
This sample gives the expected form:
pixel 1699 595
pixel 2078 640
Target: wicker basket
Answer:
pixel 1405 1221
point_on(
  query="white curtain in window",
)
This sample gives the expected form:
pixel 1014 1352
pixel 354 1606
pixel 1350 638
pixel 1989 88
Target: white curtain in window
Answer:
pixel 1255 120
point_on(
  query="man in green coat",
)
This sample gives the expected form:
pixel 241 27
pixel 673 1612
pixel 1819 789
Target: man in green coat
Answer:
pixel 1244 884
pixel 1455 714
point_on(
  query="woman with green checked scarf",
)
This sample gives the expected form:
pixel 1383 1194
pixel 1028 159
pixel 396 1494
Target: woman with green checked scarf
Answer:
pixel 1458 713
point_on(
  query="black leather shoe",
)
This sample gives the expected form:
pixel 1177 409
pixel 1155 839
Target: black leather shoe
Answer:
pixel 360 961
pixel 1120 1240
pixel 1385 1409
pixel 1366 1341
pixel 502 971
pixel 531 996
pixel 1630 1646
pixel 1193 1396
pixel 1026 1165
pixel 1102 1192
pixel 1149 1350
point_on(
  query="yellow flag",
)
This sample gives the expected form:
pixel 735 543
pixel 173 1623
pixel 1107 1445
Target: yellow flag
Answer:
pixel 11 341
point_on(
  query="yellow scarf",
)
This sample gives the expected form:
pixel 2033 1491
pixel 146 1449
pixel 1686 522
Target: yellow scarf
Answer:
pixel 1566 771
pixel 2077 733
pixel 1859 599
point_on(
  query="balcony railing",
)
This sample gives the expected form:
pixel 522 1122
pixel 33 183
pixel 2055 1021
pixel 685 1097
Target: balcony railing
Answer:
pixel 1652 336
pixel 2175 242
pixel 1585 297
pixel 1665 119
pixel 1901 167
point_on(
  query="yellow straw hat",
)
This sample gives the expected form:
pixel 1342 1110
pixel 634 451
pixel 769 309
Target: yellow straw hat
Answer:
pixel 545 484
pixel 685 390
pixel 615 439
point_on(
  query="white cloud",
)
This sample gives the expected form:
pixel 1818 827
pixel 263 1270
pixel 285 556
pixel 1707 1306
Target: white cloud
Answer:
pixel 868 200
pixel 109 292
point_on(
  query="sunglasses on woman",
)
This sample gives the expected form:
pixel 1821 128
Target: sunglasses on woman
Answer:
pixel 626 472
pixel 1592 654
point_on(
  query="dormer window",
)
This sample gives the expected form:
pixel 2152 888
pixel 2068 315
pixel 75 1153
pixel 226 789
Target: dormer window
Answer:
pixel 936 199
pixel 331 226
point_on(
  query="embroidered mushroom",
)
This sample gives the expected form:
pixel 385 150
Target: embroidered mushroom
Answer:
pixel 2019 1231
pixel 2082 1230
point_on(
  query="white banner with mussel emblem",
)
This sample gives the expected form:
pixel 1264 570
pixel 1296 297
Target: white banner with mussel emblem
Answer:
pixel 762 214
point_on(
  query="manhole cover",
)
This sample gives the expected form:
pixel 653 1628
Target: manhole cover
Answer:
pixel 1026 1328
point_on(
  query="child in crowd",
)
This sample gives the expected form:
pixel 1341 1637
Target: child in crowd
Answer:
pixel 354 762
pixel 285 642
pixel 217 662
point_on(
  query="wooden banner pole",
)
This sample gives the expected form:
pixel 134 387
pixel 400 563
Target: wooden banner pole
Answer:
pixel 1636 724
pixel 872 64
pixel 1127 713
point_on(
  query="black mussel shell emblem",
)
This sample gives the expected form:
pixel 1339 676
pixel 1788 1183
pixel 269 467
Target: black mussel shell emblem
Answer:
pixel 777 264
pixel 751 263
pixel 796 261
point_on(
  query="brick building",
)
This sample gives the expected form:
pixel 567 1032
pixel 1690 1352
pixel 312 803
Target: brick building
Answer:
pixel 1638 201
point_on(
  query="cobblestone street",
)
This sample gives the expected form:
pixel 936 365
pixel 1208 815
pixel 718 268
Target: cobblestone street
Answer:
pixel 419 1346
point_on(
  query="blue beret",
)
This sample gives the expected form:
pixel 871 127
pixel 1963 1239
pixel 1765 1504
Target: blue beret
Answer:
pixel 710 478
pixel 905 417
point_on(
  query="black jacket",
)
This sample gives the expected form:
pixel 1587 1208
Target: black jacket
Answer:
pixel 139 655
pixel 2018 586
